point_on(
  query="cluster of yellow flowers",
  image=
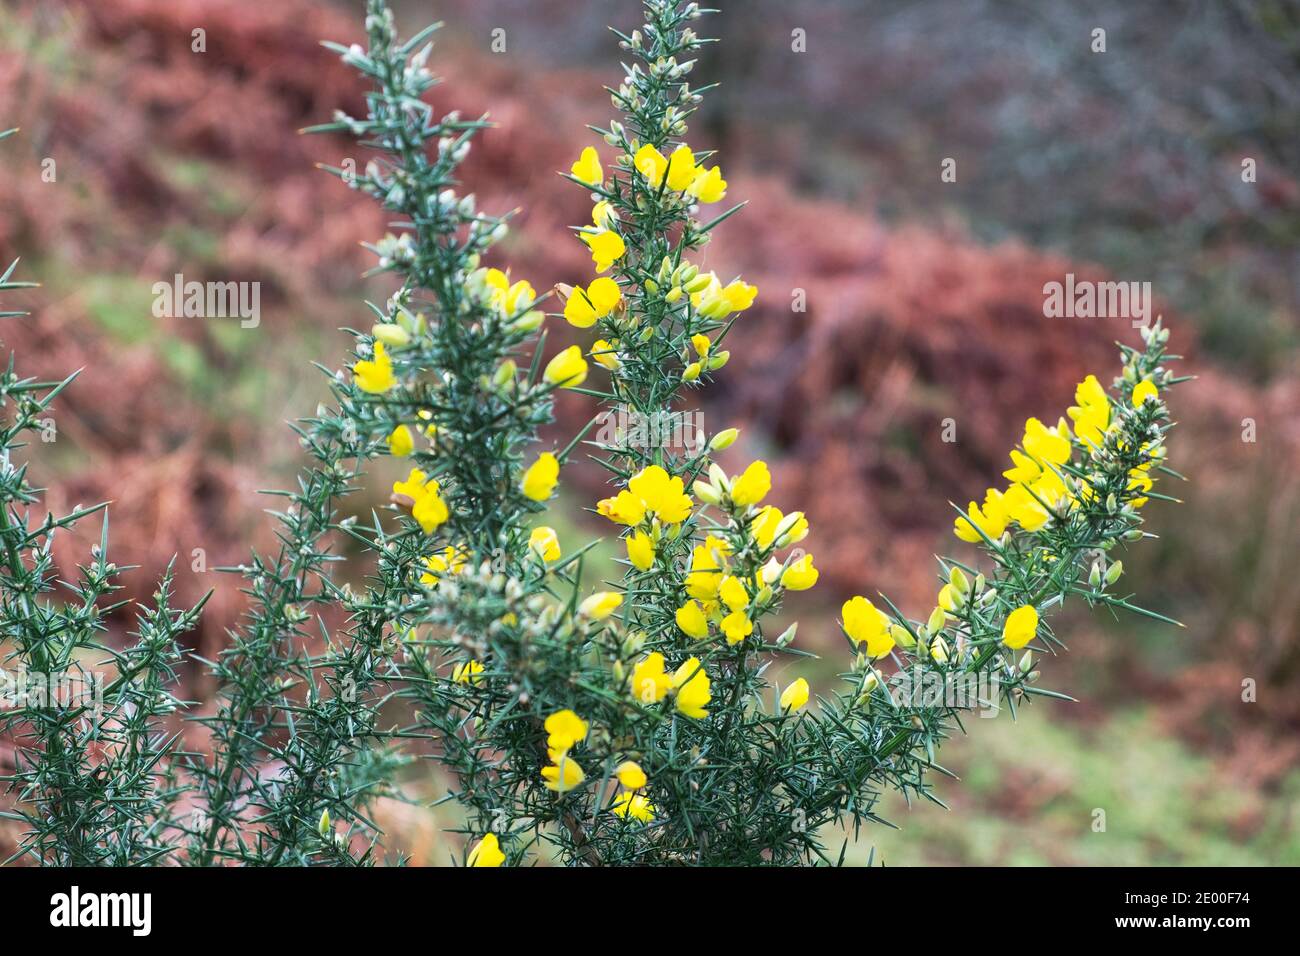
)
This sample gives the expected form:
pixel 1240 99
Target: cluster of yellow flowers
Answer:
pixel 1038 490
pixel 689 685
pixel 632 803
pixel 564 731
pixel 678 173
pixel 421 493
pixel 718 596
pixel 652 500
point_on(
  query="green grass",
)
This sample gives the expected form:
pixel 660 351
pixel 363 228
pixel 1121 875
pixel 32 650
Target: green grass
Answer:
pixel 1029 792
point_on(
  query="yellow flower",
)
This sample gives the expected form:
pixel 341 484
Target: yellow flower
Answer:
pixel 737 626
pixel 640 550
pixel 800 575
pixel 708 186
pixel 506 298
pixel 598 300
pixel 692 685
pixel 1021 627
pixel 467 673
pixel 430 512
pixel 630 775
pixel 600 605
pixel 795 697
pixel 375 375
pixel 752 486
pixel 706 575
pixel 650 491
pixel 681 168
pixel 1023 508
pixel 604 215
pixel 603 353
pixel 564 730
pixel 715 301
pixel 991 519
pixel 587 168
pixel 1144 390
pixel 650 163
pixel 634 806
pixel 545 543
pixel 486 853
pixel 541 477
pixel 606 246
pixel 1091 416
pixel 417 483
pixel 568 369
pixel 427 506
pixel 1024 468
pixel 649 681
pixel 663 495
pixel 624 508
pixel 449 559
pixel 739 295
pixel 564 775
pixel 691 619
pixel 863 622
pixel 401 442
pixel 733 594
pixel 763 528
pixel 1047 444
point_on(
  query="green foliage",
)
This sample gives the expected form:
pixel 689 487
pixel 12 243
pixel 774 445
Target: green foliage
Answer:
pixel 533 695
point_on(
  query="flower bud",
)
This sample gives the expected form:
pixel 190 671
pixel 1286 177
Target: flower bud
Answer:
pixel 787 636
pixel 772 571
pixel 692 372
pixel 505 373
pixel 324 826
pixel 706 492
pixel 724 439
pixel 939 650
pixel 902 636
pixel 936 622
pixel 719 477
pixel 719 359
pixel 1026 662
pixel 1094 576
pixel 698 284
pixel 1114 571
pixel 957 578
pixel 391 334
pixel 528 321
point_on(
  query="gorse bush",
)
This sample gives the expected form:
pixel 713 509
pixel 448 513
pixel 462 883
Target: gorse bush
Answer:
pixel 634 724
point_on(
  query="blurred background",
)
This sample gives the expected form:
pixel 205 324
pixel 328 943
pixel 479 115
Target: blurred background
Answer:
pixel 141 158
